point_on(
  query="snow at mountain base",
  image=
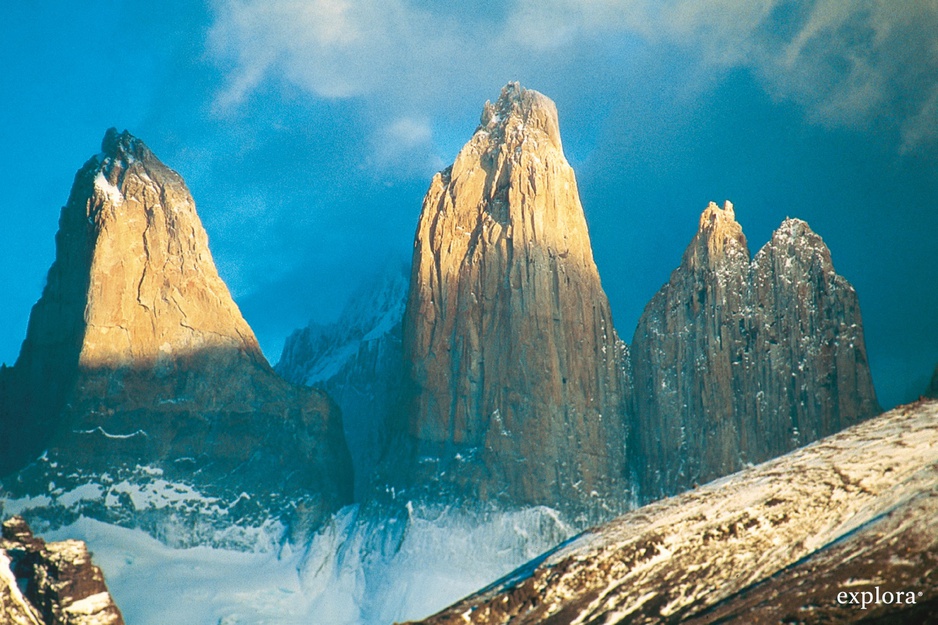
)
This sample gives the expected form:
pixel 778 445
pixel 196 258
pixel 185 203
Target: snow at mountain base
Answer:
pixel 360 570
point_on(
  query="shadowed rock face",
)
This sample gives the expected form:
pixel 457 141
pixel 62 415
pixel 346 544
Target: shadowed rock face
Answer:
pixel 737 362
pixel 689 357
pixel 515 386
pixel 136 358
pixel 357 360
pixel 932 390
pixel 50 583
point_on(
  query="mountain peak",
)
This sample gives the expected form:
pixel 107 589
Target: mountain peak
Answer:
pixel 794 238
pixel 136 355
pixel 517 112
pixel 713 214
pixel 506 361
pixel 123 147
pixel 718 235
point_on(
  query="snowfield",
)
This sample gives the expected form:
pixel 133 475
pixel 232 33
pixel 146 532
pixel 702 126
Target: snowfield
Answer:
pixel 360 570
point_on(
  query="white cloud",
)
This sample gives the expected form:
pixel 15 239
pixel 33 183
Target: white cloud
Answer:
pixel 847 63
pixel 406 146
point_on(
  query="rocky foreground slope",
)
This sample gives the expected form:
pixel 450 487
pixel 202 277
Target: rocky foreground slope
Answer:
pixel 140 395
pixel 738 361
pixel 841 531
pixel 50 583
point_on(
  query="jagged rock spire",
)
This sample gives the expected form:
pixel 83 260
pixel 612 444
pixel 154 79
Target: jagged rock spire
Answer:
pixel 137 356
pixel 737 361
pixel 515 386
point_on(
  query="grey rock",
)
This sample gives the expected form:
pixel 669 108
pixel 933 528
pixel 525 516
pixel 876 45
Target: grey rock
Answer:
pixel 735 362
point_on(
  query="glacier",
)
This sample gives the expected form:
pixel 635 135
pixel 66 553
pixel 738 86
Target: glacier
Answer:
pixel 363 568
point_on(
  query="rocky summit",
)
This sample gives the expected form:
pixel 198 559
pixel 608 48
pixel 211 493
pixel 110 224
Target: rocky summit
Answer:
pixel 735 362
pixel 514 387
pixel 140 395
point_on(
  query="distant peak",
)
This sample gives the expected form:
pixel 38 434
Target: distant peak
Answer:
pixel 520 109
pixel 794 226
pixel 713 215
pixel 718 232
pixel 797 236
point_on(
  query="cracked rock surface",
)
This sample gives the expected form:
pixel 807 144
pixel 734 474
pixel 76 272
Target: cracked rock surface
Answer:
pixel 514 387
pixel 142 395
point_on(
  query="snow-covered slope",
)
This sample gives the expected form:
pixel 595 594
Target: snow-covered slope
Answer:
pixel 796 539
pixel 360 570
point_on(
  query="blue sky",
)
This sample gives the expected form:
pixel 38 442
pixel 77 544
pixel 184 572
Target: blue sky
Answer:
pixel 308 132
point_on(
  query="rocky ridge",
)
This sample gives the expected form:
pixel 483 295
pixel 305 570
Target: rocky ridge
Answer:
pixel 738 361
pixel 143 394
pixel 50 583
pixel 792 540
pixel 514 388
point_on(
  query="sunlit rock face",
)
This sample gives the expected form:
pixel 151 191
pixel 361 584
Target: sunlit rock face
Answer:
pixel 139 369
pixel 50 583
pixel 514 385
pixel 735 362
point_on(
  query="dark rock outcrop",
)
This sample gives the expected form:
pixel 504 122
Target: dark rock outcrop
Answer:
pixel 50 583
pixel 735 362
pixel 689 358
pixel 358 361
pixel 932 390
pixel 138 373
pixel 787 541
pixel 515 388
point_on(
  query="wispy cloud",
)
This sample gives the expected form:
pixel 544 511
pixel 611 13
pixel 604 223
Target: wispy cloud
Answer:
pixel 846 63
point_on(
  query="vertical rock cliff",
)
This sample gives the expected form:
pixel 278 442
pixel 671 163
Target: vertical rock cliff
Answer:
pixel 690 360
pixel 813 377
pixel 138 371
pixel 514 388
pixel 735 362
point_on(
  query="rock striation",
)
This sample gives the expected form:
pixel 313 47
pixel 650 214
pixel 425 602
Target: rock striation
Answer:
pixel 50 583
pixel 787 541
pixel 735 362
pixel 144 386
pixel 932 390
pixel 358 361
pixel 514 388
